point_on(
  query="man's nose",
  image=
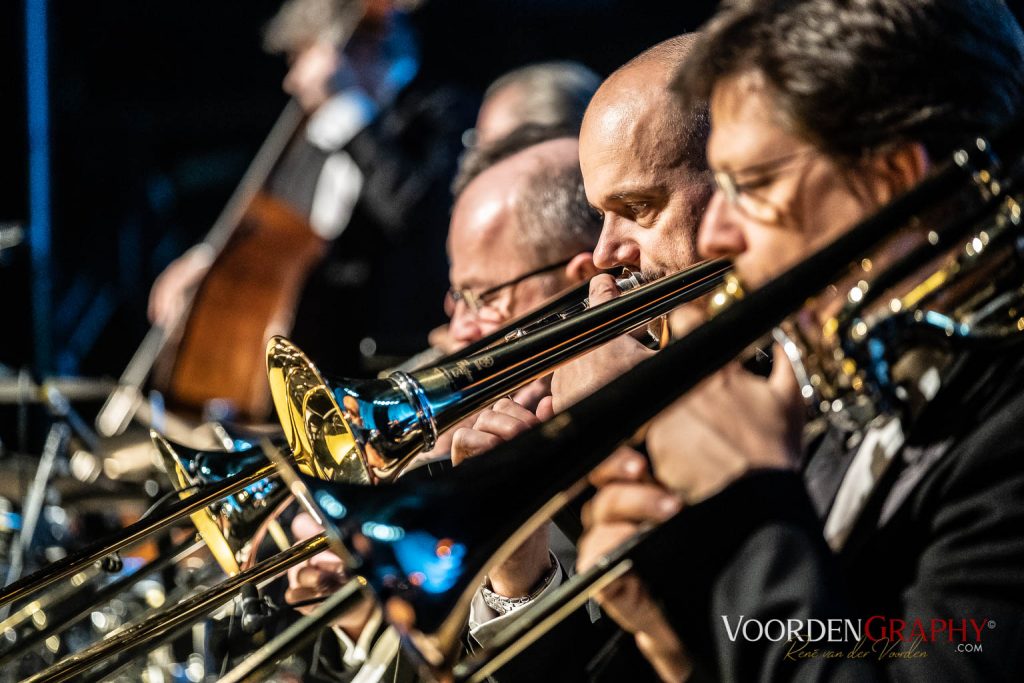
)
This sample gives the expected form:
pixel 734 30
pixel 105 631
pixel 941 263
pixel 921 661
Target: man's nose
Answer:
pixel 615 247
pixel 720 234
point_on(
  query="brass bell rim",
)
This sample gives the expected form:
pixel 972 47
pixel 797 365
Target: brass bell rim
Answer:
pixel 295 384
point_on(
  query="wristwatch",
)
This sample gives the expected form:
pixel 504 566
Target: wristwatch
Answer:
pixel 503 605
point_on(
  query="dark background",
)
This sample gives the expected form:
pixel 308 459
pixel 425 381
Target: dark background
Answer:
pixel 156 109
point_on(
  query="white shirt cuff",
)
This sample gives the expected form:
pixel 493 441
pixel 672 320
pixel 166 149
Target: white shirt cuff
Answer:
pixel 485 623
pixel 356 652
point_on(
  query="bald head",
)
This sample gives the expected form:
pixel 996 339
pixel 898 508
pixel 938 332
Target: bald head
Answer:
pixel 636 104
pixel 644 164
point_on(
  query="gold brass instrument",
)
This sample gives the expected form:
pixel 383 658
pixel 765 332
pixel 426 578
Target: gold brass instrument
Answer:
pixel 172 620
pixel 130 535
pixel 226 525
pixel 424 549
pixel 509 365
pixel 236 482
pixel 368 431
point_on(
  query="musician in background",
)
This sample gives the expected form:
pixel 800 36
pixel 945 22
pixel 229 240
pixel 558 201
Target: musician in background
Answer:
pixel 527 104
pixel 645 172
pixel 371 173
pixel 521 232
pixel 823 112
pixel 546 94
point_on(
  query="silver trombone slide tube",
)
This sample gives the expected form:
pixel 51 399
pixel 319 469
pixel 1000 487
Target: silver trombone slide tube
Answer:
pixel 562 306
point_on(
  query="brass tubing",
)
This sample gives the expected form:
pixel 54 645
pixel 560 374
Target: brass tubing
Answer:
pixel 256 665
pixel 177 617
pixel 129 535
pixel 65 621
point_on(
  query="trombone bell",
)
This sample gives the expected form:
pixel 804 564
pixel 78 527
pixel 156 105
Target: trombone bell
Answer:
pixel 320 437
pixel 226 526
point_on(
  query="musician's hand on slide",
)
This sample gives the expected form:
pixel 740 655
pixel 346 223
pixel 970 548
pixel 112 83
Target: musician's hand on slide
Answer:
pixel 493 426
pixel 170 290
pixel 593 370
pixel 627 500
pixel 732 422
pixel 320 576
pixel 527 397
pixel 525 568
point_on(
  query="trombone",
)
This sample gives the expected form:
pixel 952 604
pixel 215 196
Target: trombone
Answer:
pixel 368 431
pixel 401 416
pixel 424 549
pixel 288 366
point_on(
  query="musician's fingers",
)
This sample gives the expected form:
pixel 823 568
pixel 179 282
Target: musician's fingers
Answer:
pixel 328 562
pixel 624 591
pixel 305 527
pixel 507 406
pixel 297 595
pixel 469 443
pixel 599 541
pixel 317 579
pixel 162 305
pixel 501 424
pixel 546 409
pixel 533 393
pixel 603 288
pixel 630 502
pixel 625 464
pixel 152 308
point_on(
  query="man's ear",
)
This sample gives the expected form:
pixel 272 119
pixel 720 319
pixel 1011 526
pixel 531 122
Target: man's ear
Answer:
pixel 899 169
pixel 581 268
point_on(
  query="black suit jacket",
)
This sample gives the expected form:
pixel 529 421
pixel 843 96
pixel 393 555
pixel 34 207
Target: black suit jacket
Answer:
pixel 941 539
pixel 385 276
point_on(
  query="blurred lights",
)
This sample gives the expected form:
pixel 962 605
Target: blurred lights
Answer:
pixel 435 565
pixel 384 533
pixel 330 505
pixel 155 597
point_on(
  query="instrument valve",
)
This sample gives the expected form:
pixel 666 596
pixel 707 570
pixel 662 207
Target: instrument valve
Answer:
pixel 112 563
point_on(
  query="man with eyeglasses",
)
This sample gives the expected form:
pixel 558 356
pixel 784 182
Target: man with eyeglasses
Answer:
pixel 521 232
pixel 645 173
pixel 823 112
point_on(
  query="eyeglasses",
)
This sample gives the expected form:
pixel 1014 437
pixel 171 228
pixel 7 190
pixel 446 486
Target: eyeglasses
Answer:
pixel 743 194
pixel 482 302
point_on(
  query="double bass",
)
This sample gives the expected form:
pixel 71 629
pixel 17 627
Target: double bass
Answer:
pixel 263 252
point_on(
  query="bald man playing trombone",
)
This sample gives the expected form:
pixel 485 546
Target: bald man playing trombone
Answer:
pixel 645 174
